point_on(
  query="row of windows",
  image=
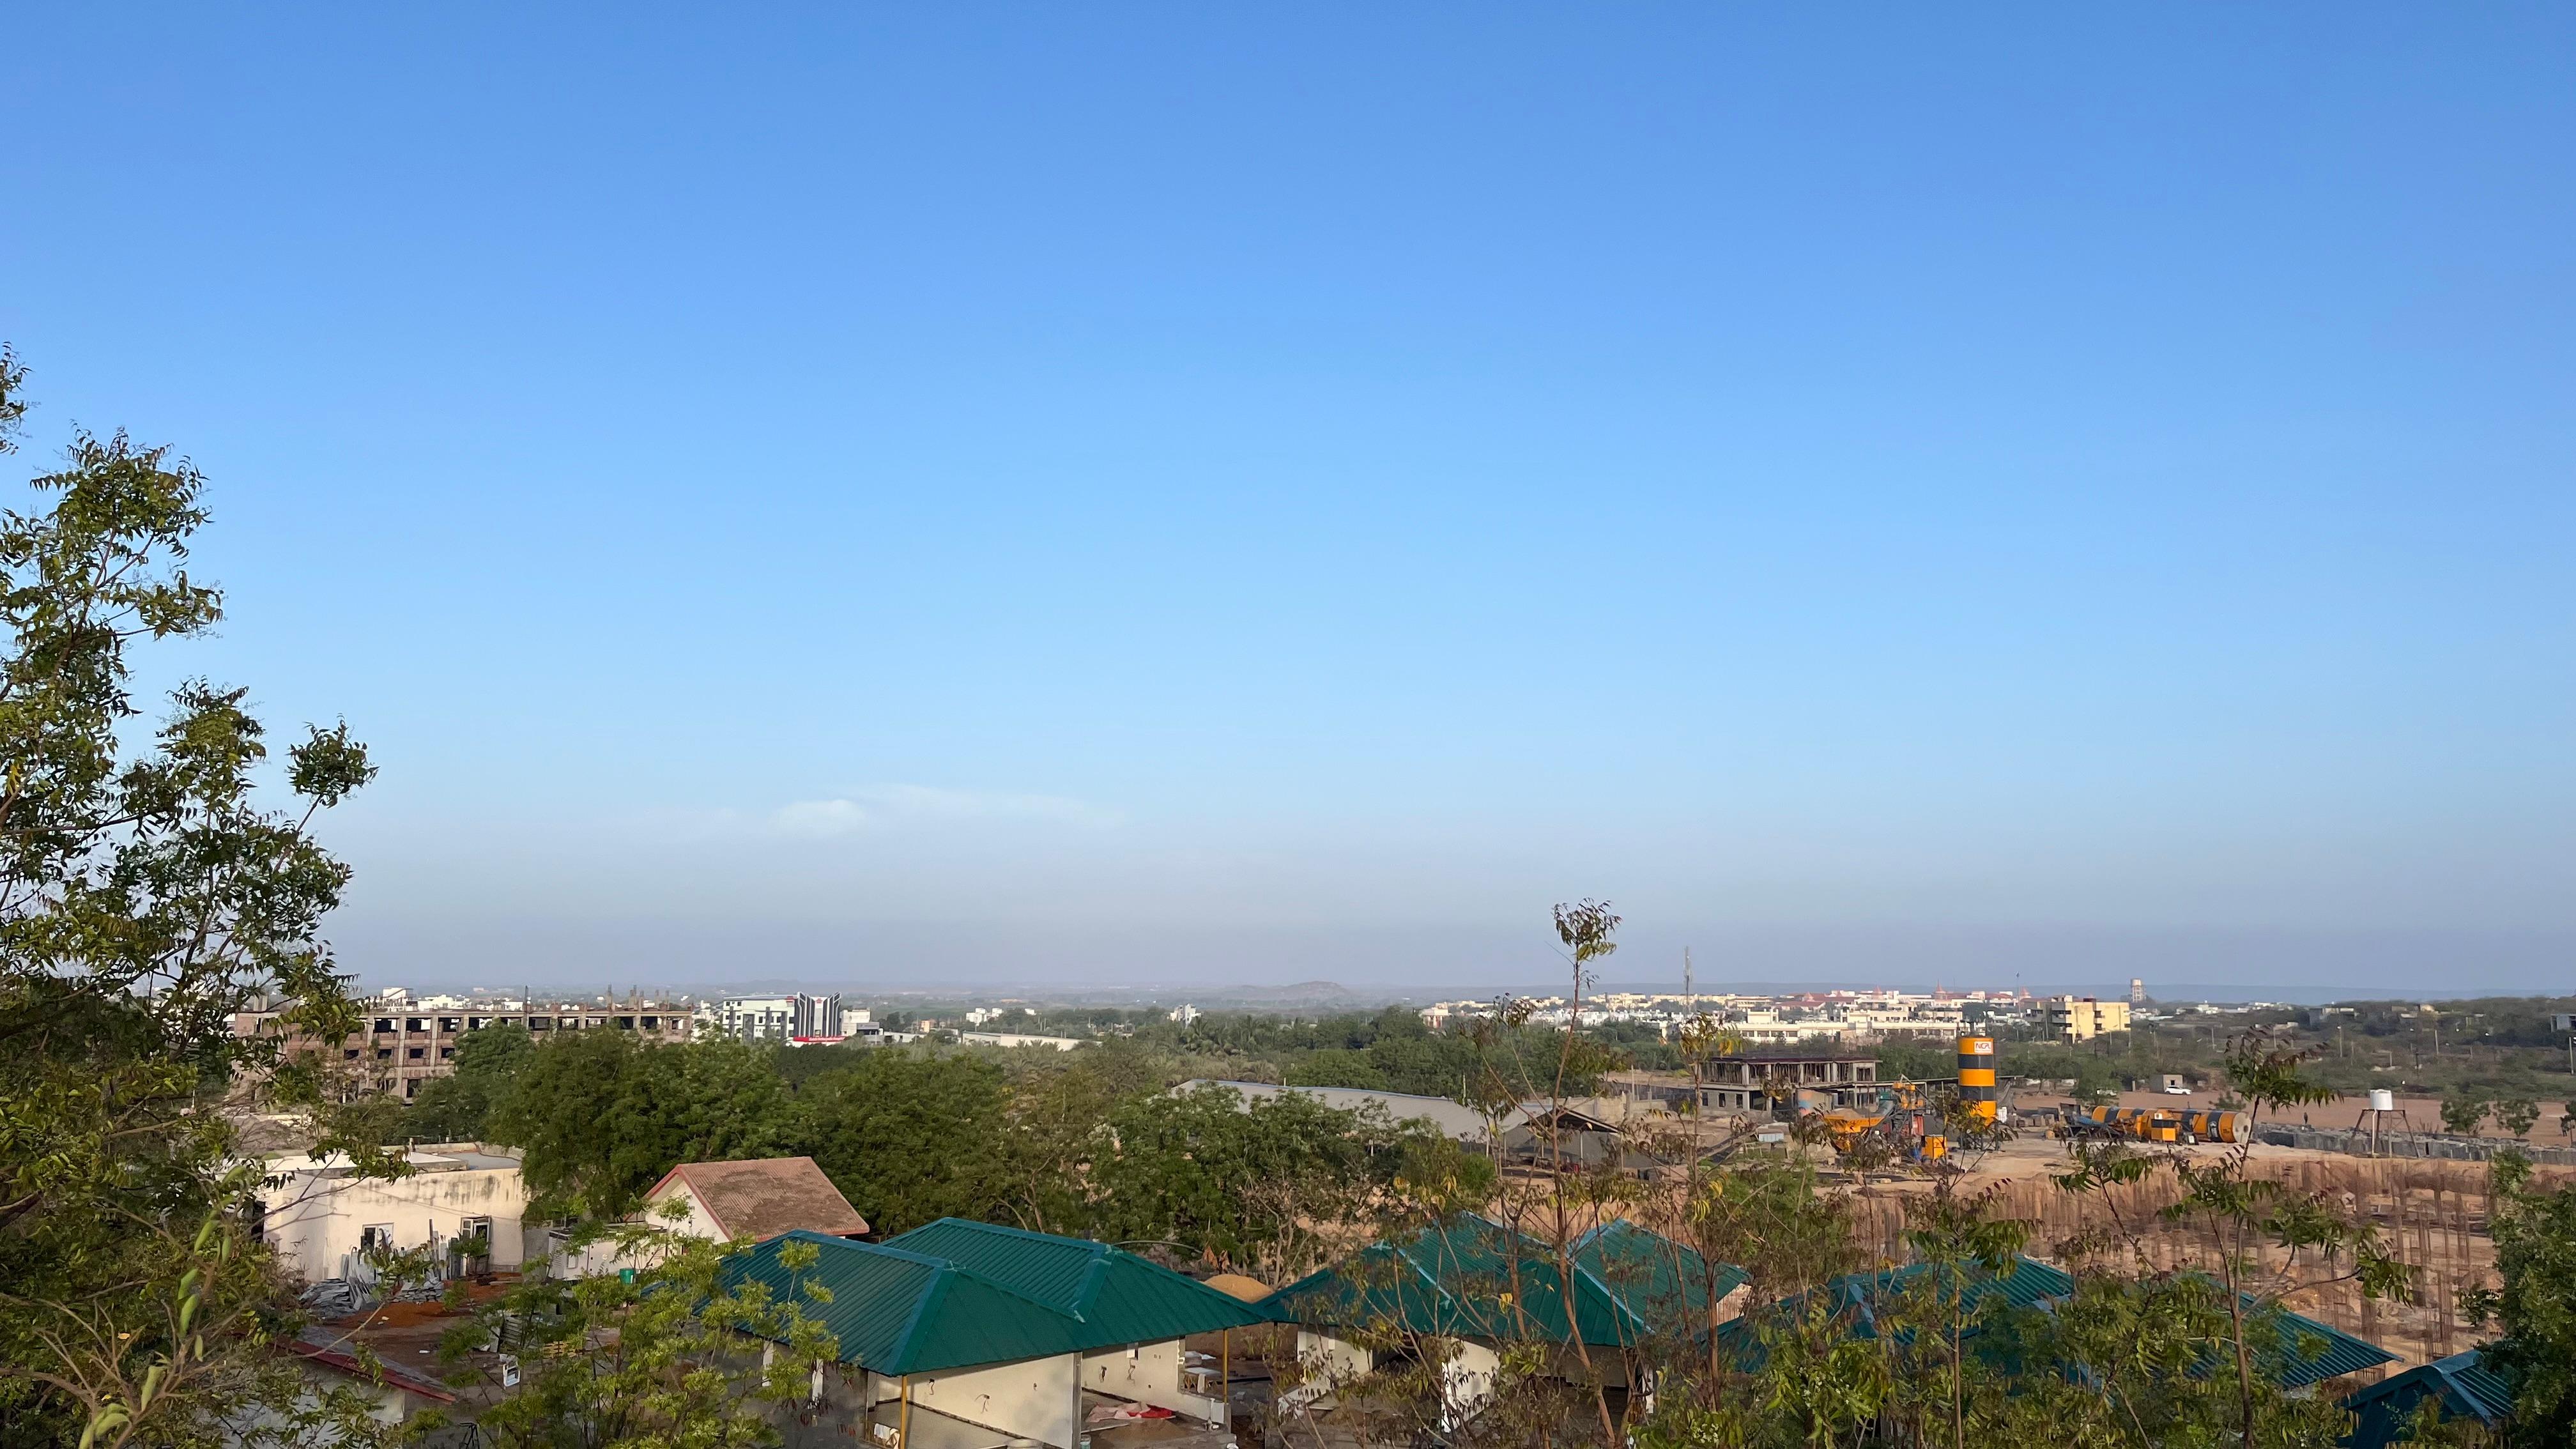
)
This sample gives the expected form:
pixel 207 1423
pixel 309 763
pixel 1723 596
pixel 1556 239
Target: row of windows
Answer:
pixel 386 1054
pixel 386 1024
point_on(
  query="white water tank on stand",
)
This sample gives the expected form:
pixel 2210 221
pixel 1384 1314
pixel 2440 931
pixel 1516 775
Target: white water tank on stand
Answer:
pixel 2382 1100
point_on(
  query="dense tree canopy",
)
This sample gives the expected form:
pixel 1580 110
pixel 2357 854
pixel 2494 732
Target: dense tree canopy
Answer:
pixel 147 893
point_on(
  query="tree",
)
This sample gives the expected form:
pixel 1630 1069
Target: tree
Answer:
pixel 2271 1242
pixel 458 1107
pixel 910 1137
pixel 1265 1185
pixel 146 894
pixel 658 1360
pixel 2462 1111
pixel 603 1115
pixel 2516 1116
pixel 2534 1306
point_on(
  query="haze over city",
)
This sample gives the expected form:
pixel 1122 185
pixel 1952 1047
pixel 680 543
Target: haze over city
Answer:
pixel 869 499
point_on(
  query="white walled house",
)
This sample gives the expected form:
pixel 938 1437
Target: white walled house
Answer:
pixel 319 1217
pixel 964 1335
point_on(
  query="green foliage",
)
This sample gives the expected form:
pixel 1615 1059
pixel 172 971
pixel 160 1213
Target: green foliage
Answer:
pixel 2535 1305
pixel 603 1115
pixel 458 1107
pixel 1769 1215
pixel 2462 1111
pixel 912 1136
pixel 670 1358
pixel 147 893
pixel 1254 1184
pixel 2516 1116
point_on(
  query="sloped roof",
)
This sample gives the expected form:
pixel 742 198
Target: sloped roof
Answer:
pixel 1469 1277
pixel 899 1312
pixel 2310 1352
pixel 2027 1283
pixel 2336 1352
pixel 2467 1388
pixel 1668 1282
pixel 766 1196
pixel 1118 1297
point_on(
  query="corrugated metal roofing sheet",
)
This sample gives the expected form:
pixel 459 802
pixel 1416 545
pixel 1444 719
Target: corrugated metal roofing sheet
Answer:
pixel 2466 1387
pixel 1469 1277
pixel 1118 1297
pixel 1858 1296
pixel 1668 1283
pixel 2313 1352
pixel 899 1312
pixel 2308 1352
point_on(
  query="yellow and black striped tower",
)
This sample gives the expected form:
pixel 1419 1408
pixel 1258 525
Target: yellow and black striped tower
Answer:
pixel 1977 1077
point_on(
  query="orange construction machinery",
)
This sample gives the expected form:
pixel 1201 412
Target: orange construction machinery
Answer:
pixel 2157 1124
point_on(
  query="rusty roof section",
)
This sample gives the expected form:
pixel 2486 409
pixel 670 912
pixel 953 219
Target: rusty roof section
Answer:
pixel 765 1197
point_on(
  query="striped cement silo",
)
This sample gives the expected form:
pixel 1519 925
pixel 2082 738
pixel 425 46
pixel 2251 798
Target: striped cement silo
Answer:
pixel 1977 1077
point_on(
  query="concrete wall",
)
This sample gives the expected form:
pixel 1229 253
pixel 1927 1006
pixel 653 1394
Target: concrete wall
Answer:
pixel 1149 1373
pixel 314 1223
pixel 1035 1398
pixel 1328 1358
pixel 604 1256
pixel 1467 1379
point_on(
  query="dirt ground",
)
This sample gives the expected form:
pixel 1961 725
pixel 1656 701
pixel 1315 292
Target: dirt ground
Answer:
pixel 2422 1114
pixel 2431 1214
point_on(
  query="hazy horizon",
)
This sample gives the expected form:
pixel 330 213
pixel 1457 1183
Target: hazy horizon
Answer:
pixel 1240 495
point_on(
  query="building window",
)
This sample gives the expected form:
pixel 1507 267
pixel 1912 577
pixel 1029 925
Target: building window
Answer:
pixel 626 1023
pixel 375 1236
pixel 447 1023
pixel 351 1053
pixel 540 1023
pixel 384 1054
pixel 652 1023
pixel 446 1054
pixel 415 1053
pixel 411 1087
pixel 384 1023
pixel 415 1023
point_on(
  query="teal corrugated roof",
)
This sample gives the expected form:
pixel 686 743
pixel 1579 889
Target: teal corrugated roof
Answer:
pixel 1118 1297
pixel 2313 1352
pixel 1857 1296
pixel 1668 1283
pixel 2467 1388
pixel 1469 1277
pixel 899 1312
pixel 2306 1352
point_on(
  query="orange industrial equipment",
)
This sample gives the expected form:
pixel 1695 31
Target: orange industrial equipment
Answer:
pixel 1977 1078
pixel 2150 1124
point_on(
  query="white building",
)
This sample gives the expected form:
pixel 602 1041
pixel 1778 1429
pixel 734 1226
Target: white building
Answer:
pixel 779 1018
pixel 1017 1039
pixel 321 1218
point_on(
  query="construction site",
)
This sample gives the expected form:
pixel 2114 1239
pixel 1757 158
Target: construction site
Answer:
pixel 1887 1144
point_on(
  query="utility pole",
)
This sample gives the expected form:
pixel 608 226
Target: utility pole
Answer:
pixel 1690 993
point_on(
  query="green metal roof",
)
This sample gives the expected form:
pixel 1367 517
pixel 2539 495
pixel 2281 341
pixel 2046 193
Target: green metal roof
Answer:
pixel 899 1312
pixel 1469 1277
pixel 1667 1282
pixel 2306 1351
pixel 2467 1388
pixel 2026 1283
pixel 2313 1352
pixel 1117 1296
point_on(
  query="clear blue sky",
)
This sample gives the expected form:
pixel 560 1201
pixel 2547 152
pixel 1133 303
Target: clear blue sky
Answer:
pixel 967 493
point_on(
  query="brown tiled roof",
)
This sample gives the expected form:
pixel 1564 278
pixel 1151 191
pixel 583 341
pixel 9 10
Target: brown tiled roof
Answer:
pixel 771 1195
